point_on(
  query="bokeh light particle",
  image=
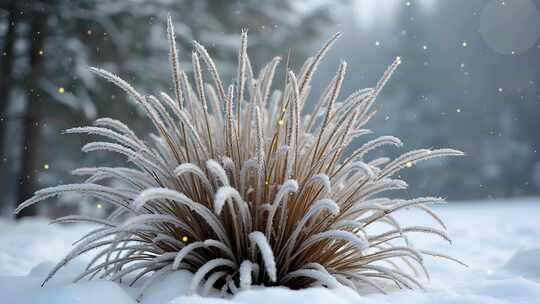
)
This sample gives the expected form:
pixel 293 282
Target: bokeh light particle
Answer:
pixel 510 27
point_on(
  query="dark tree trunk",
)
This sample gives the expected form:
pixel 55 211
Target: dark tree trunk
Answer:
pixel 32 116
pixel 6 69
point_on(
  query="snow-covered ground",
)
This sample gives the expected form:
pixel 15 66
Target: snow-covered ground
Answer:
pixel 499 240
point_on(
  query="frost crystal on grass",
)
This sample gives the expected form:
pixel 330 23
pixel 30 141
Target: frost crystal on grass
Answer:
pixel 241 186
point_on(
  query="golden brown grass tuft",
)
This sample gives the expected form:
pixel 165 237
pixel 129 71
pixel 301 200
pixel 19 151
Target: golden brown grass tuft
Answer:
pixel 240 187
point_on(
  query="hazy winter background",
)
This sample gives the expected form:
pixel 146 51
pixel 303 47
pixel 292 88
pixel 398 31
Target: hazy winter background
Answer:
pixel 469 79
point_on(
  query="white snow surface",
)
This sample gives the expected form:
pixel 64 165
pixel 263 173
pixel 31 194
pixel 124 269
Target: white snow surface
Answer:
pixel 499 240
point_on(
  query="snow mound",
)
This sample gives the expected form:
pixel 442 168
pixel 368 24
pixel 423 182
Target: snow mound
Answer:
pixel 26 290
pixel 279 295
pixel 172 289
pixel 168 288
pixel 526 263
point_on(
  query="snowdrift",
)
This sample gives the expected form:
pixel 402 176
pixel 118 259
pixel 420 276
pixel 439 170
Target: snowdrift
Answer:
pixel 499 240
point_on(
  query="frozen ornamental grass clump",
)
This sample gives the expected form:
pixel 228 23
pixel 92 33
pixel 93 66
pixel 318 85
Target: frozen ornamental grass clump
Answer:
pixel 240 186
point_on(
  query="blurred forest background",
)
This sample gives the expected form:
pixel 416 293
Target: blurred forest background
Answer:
pixel 469 79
